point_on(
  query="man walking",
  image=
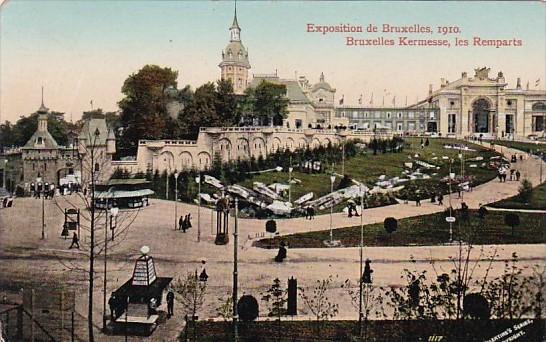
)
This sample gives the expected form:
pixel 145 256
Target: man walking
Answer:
pixel 75 241
pixel 441 199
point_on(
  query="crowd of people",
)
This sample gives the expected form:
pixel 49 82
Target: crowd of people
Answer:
pixel 184 222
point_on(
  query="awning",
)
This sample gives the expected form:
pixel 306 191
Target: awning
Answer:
pixel 123 193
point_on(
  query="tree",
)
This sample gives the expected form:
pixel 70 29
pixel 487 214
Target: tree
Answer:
pixel 318 303
pixel 143 109
pixel 191 295
pixel 266 103
pixel 525 190
pixel 226 103
pixel 93 222
pixel 390 224
pixel 276 296
pixel 512 220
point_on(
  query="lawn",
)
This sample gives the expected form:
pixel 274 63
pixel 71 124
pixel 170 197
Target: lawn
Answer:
pixel 523 146
pixel 427 230
pixel 367 167
pixel 384 330
pixel 537 201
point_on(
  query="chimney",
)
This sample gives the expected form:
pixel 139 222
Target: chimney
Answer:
pixel 518 85
pixel 442 82
pixel 464 75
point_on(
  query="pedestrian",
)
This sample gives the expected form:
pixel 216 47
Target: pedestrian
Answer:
pixel 170 303
pixel 312 213
pixel 518 175
pixel 521 157
pixel 75 241
pixel 281 255
pixel 512 174
pixel 427 142
pixel 180 223
pixel 188 221
pixel 184 225
pixel 367 275
pixel 418 201
pixel 203 276
pixel 459 192
pixel 112 303
pixel 441 198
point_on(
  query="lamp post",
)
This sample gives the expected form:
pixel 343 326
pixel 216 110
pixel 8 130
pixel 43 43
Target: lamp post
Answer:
pixel 361 257
pixel 108 221
pixel 541 162
pixel 198 180
pixel 290 169
pixel 176 200
pixel 235 275
pixel 450 219
pixel 343 158
pixel 332 180
pixel 113 220
pixel 4 174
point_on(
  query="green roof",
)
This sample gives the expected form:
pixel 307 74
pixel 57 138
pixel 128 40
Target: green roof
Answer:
pixel 127 181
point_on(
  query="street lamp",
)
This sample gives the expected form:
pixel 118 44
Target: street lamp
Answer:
pixel 361 257
pixel 332 180
pixel 198 181
pixel 4 174
pixel 235 274
pixel 113 220
pixel 290 169
pixel 450 218
pixel 176 200
pixel 108 221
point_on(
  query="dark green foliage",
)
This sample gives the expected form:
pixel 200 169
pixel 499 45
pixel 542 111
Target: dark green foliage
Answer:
pixel 512 220
pixel 345 182
pixel 525 190
pixel 271 226
pixel 247 308
pixel 475 305
pixel 390 224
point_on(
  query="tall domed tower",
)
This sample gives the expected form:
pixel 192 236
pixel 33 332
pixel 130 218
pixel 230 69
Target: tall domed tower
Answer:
pixel 235 65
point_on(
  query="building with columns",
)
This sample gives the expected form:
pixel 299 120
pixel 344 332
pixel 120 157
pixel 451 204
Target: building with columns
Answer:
pixel 235 64
pixel 485 105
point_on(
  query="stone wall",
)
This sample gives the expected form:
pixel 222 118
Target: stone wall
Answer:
pixel 231 143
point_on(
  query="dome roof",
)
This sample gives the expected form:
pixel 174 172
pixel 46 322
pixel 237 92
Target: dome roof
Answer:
pixel 235 53
pixel 322 85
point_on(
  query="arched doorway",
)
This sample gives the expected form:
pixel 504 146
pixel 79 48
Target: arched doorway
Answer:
pixel 480 114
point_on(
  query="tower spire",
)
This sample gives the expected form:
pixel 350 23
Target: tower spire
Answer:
pixel 43 108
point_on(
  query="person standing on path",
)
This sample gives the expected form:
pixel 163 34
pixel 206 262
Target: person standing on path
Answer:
pixel 518 175
pixel 170 303
pixel 441 198
pixel 418 201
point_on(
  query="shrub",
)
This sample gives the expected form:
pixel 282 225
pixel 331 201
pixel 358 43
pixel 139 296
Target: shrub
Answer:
pixel 512 220
pixel 390 224
pixel 271 226
pixel 247 308
pixel 525 190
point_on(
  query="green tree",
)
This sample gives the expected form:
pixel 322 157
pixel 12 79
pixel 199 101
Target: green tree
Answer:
pixel 266 103
pixel 143 109
pixel 226 104
pixel 525 190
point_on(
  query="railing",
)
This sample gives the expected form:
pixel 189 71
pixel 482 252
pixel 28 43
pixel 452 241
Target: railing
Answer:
pixel 168 142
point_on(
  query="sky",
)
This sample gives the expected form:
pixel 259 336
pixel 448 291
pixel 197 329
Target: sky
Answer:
pixel 84 50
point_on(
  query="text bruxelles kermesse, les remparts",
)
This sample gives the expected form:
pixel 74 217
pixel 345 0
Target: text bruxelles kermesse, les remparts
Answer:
pixel 405 41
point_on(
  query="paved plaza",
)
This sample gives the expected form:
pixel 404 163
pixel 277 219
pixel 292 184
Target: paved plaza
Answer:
pixel 25 255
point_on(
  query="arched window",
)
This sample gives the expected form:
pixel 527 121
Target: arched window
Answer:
pixel 539 106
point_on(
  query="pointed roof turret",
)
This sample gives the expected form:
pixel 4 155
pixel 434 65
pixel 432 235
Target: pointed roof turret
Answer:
pixel 43 109
pixel 235 24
